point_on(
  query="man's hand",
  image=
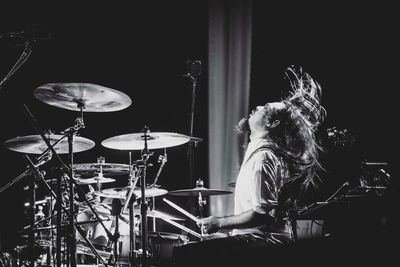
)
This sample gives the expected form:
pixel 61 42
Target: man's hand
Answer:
pixel 209 225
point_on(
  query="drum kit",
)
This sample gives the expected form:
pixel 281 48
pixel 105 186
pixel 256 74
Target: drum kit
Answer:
pixel 103 225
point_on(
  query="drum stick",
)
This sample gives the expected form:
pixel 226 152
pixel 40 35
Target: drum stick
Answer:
pixel 182 227
pixel 181 210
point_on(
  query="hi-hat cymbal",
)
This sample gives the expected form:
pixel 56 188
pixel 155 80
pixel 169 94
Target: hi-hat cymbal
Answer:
pixel 34 144
pixel 89 97
pixel 122 192
pixel 155 140
pixel 194 192
pixel 108 169
pixel 94 180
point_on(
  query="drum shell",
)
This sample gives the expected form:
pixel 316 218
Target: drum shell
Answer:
pixel 160 246
pixel 93 231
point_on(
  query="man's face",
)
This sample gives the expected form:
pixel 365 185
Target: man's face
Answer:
pixel 260 116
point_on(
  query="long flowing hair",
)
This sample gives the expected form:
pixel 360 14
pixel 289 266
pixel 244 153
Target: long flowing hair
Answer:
pixel 295 137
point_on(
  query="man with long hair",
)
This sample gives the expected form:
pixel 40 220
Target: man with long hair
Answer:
pixel 280 163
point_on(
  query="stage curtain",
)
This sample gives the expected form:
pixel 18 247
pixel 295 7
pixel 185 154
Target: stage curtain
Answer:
pixel 229 59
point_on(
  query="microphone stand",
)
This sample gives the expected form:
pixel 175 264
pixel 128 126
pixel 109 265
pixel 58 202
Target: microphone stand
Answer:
pixel 193 74
pixel 21 60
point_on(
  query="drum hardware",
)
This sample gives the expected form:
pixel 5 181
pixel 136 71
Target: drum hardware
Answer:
pixel 80 97
pixel 145 153
pixel 116 212
pixel 70 134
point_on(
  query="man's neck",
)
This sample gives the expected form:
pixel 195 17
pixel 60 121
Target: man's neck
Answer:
pixel 258 135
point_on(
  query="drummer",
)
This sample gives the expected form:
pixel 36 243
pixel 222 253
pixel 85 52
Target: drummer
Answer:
pixel 280 161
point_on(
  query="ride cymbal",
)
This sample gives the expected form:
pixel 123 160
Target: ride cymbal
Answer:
pixel 136 141
pixel 82 96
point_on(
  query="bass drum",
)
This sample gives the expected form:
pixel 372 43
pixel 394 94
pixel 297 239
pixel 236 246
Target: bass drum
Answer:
pixel 160 246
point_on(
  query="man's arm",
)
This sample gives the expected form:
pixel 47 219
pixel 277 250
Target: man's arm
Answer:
pixel 246 219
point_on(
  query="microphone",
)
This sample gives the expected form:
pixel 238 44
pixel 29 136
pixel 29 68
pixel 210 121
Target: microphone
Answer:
pixel 193 68
pixel 32 35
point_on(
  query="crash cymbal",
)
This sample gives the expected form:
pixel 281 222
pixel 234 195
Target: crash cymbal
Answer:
pixel 135 141
pixel 108 169
pixel 122 192
pixel 94 180
pixel 195 192
pixel 34 144
pixel 89 97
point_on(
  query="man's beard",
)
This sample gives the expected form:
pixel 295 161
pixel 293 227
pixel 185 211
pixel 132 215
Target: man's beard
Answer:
pixel 243 127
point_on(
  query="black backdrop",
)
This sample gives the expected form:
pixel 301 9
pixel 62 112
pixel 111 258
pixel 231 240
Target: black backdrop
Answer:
pixel 141 50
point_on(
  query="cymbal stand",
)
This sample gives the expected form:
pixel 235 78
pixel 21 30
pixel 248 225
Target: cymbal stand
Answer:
pixel 200 200
pixel 143 201
pixel 130 200
pixel 116 211
pixel 36 174
pixel 71 132
pixel 163 160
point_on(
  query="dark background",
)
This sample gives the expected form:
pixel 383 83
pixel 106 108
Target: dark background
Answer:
pixel 142 49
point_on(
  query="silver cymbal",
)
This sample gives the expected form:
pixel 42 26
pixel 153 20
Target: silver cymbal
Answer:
pixel 89 97
pixel 122 192
pixel 155 140
pixel 157 214
pixel 94 180
pixel 34 144
pixel 194 192
pixel 108 169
